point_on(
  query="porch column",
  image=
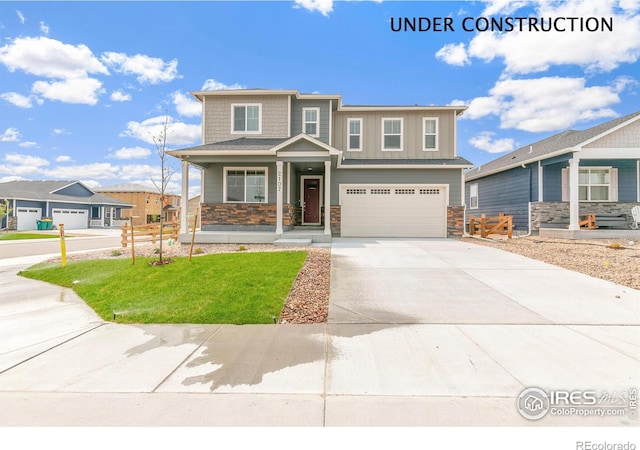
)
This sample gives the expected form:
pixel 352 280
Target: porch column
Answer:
pixel 327 198
pixel 184 198
pixel 279 165
pixel 574 197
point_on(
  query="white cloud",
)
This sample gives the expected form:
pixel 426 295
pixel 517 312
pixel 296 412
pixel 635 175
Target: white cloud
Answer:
pixel 27 160
pixel 178 133
pixel 186 106
pixel 11 178
pixel 146 68
pixel 529 52
pixel 484 141
pixel 43 56
pixel 21 17
pixel 130 153
pixel 28 144
pixel 91 184
pixel 60 131
pixel 453 54
pixel 44 28
pixel 16 99
pixel 10 135
pixel 544 104
pixel 324 7
pixel 63 158
pixel 81 90
pixel 119 96
pixel 98 171
pixel 213 85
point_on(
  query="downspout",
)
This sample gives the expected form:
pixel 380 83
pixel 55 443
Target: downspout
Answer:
pixel 528 203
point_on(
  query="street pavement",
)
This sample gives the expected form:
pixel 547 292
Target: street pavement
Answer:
pixel 421 332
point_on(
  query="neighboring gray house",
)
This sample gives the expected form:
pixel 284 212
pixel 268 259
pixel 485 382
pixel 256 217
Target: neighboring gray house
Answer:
pixel 556 182
pixel 273 160
pixel 68 202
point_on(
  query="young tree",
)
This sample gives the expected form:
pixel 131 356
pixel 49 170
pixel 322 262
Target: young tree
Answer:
pixel 166 173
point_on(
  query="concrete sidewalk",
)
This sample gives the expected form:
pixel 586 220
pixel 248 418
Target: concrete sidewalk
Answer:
pixel 421 332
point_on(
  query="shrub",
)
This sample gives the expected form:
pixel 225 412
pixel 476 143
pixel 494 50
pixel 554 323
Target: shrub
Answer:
pixel 615 246
pixel 198 251
pixel 242 248
pixel 116 253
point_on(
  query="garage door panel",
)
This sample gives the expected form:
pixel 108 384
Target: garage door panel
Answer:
pixel 393 211
pixel 73 219
pixel 28 218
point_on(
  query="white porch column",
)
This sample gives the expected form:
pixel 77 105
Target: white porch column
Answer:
pixel 327 198
pixel 289 183
pixel 184 199
pixel 540 182
pixel 574 198
pixel 279 202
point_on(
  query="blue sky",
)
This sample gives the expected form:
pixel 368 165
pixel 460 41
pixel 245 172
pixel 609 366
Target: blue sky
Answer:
pixel 84 85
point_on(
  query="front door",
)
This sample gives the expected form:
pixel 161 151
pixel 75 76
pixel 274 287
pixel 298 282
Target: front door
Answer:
pixel 311 201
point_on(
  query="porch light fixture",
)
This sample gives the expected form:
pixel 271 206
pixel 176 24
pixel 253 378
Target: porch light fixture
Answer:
pixel 309 169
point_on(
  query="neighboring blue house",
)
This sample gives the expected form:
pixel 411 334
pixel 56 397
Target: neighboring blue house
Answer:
pixel 67 202
pixel 554 183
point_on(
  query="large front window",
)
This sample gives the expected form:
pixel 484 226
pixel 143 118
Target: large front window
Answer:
pixel 392 134
pixel 246 118
pixel 594 184
pixel 246 185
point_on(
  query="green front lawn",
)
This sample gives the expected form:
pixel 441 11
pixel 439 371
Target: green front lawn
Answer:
pixel 234 288
pixel 19 236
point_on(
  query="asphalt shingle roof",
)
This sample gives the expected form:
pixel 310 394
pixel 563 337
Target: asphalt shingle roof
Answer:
pixel 566 140
pixel 45 191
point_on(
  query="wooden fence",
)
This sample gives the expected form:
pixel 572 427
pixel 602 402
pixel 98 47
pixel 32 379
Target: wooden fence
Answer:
pixel 149 233
pixel 484 226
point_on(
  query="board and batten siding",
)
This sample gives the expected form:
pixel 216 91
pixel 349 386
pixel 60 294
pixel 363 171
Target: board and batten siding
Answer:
pixel 412 134
pixel 217 117
pixel 506 192
pixel 450 177
pixel 325 117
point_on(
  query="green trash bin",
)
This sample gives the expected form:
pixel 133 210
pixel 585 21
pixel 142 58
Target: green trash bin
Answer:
pixel 47 224
pixel 40 225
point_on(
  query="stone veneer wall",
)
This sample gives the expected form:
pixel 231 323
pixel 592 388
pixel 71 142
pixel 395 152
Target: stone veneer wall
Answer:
pixel 335 220
pixel 214 215
pixel 455 221
pixel 552 213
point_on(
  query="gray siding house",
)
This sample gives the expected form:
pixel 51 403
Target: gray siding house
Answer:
pixel 556 182
pixel 275 160
pixel 68 202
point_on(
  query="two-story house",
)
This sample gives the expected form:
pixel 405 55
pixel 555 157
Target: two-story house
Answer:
pixel 147 203
pixel 273 160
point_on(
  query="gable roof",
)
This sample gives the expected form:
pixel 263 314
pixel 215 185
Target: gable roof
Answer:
pixel 47 190
pixel 130 187
pixel 558 144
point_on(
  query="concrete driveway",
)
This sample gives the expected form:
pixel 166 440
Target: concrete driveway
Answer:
pixel 421 332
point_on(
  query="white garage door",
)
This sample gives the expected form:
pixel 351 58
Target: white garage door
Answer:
pixel 71 218
pixel 393 210
pixel 28 218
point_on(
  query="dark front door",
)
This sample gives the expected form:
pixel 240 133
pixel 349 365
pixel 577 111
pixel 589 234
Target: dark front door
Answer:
pixel 311 207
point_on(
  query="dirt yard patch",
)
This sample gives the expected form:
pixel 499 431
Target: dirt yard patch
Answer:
pixel 616 260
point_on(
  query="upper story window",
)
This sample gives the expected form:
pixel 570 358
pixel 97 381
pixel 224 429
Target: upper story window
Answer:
pixel 245 185
pixel 246 118
pixel 311 121
pixel 354 135
pixel 430 134
pixel 392 134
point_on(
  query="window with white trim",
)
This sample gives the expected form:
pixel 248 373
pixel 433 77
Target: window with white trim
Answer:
pixel 392 135
pixel 245 185
pixel 594 184
pixel 311 121
pixel 473 196
pixel 430 134
pixel 246 118
pixel 354 135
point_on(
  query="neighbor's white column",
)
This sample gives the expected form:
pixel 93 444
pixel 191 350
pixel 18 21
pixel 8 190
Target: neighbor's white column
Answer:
pixel 574 198
pixel 279 165
pixel 184 198
pixel 327 198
